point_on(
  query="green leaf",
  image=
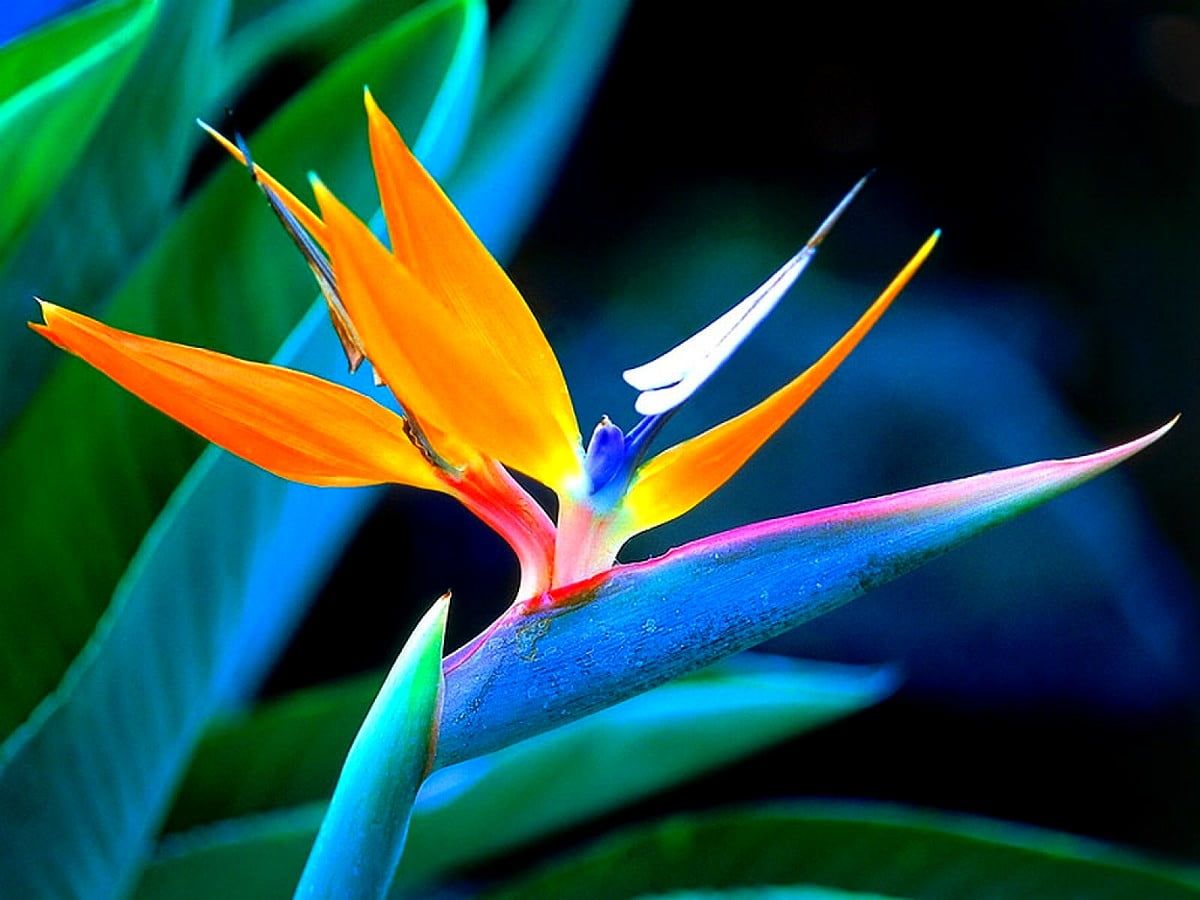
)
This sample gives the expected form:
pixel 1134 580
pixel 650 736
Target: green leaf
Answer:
pixel 857 848
pixel 361 838
pixel 801 892
pixel 261 31
pixel 119 195
pixel 224 275
pixel 290 752
pixel 160 662
pixel 55 84
pixel 284 753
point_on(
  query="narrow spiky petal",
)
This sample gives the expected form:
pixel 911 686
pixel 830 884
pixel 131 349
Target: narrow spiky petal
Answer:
pixel 676 480
pixel 438 247
pixel 305 216
pixel 670 379
pixel 289 423
pixel 462 392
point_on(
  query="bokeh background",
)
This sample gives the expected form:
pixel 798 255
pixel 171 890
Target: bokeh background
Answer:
pixel 1050 667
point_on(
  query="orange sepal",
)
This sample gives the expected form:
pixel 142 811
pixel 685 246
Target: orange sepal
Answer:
pixel 678 479
pixel 436 244
pixel 292 424
pixel 305 216
pixel 466 397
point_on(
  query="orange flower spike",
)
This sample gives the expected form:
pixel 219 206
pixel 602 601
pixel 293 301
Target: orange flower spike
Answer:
pixel 438 247
pixel 679 478
pixel 449 374
pixel 480 387
pixel 289 423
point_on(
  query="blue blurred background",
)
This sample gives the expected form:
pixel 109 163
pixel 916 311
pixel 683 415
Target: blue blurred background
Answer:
pixel 1050 667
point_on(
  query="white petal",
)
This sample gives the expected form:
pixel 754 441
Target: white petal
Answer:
pixel 668 380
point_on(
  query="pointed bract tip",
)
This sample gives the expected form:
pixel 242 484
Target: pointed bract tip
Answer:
pixel 1105 459
pixel 830 220
pixel 45 327
pixel 1155 435
pixel 435 619
pixel 371 104
pixel 212 132
pixel 230 147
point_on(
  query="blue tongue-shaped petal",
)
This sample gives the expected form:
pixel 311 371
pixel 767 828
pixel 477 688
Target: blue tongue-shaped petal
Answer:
pixel 606 454
pixel 669 380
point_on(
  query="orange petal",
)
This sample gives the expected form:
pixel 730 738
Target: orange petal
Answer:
pixel 294 425
pixel 303 214
pixel 437 245
pixel 677 479
pixel 449 375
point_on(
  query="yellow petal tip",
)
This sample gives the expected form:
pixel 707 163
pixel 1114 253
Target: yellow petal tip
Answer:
pixel 372 105
pixel 49 311
pixel 229 146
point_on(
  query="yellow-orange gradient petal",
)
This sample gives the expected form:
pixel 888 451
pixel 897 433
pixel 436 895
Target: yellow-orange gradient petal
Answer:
pixel 294 425
pixel 460 390
pixel 677 479
pixel 437 245
pixel 290 201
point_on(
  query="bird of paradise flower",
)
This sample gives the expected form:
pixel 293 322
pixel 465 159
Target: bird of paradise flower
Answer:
pixel 481 395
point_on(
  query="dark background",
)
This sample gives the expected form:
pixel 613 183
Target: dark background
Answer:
pixel 1057 149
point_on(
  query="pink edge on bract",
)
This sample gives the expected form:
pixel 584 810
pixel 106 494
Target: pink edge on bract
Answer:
pixel 594 643
pixel 1018 488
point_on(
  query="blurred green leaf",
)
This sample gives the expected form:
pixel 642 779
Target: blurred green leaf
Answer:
pixel 858 848
pixel 55 84
pixel 362 835
pixel 284 753
pixel 799 892
pixel 224 275
pixel 126 184
pixel 290 753
pixel 261 30
pixel 117 198
pixel 136 698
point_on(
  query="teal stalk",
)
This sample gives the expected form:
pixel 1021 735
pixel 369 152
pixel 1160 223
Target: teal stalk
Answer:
pixel 362 835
